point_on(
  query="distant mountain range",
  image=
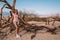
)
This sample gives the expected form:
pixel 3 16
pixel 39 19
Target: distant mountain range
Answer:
pixel 8 14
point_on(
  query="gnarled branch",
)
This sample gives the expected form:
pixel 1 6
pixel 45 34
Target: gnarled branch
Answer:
pixel 2 0
pixel 1 13
pixel 14 2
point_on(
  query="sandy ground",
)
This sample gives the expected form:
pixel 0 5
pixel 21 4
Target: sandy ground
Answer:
pixel 39 36
pixel 42 35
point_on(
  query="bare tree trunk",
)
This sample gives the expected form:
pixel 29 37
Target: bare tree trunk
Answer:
pixel 2 0
pixel 9 6
pixel 14 2
pixel 0 17
pixel 53 22
pixel 23 17
pixel 47 23
pixel 1 14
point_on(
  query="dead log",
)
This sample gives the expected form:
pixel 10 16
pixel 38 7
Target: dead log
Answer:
pixel 35 28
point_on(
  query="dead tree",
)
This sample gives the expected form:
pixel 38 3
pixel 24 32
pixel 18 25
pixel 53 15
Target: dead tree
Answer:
pixel 1 14
pixel 12 7
pixel 50 20
pixel 14 2
pixel 29 28
pixel 2 0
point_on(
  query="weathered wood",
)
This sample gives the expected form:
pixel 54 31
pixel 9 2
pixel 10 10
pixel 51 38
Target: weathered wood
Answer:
pixel 33 28
pixel 28 27
pixel 14 2
pixel 53 19
pixel 1 14
pixel 50 20
pixel 2 0
pixel 11 7
pixel 6 25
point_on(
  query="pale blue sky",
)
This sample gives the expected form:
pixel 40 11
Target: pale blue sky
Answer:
pixel 41 7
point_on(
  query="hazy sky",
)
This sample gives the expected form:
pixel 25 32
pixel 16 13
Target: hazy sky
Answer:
pixel 41 7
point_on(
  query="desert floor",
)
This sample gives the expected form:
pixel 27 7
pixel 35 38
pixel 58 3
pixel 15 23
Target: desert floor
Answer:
pixel 41 35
